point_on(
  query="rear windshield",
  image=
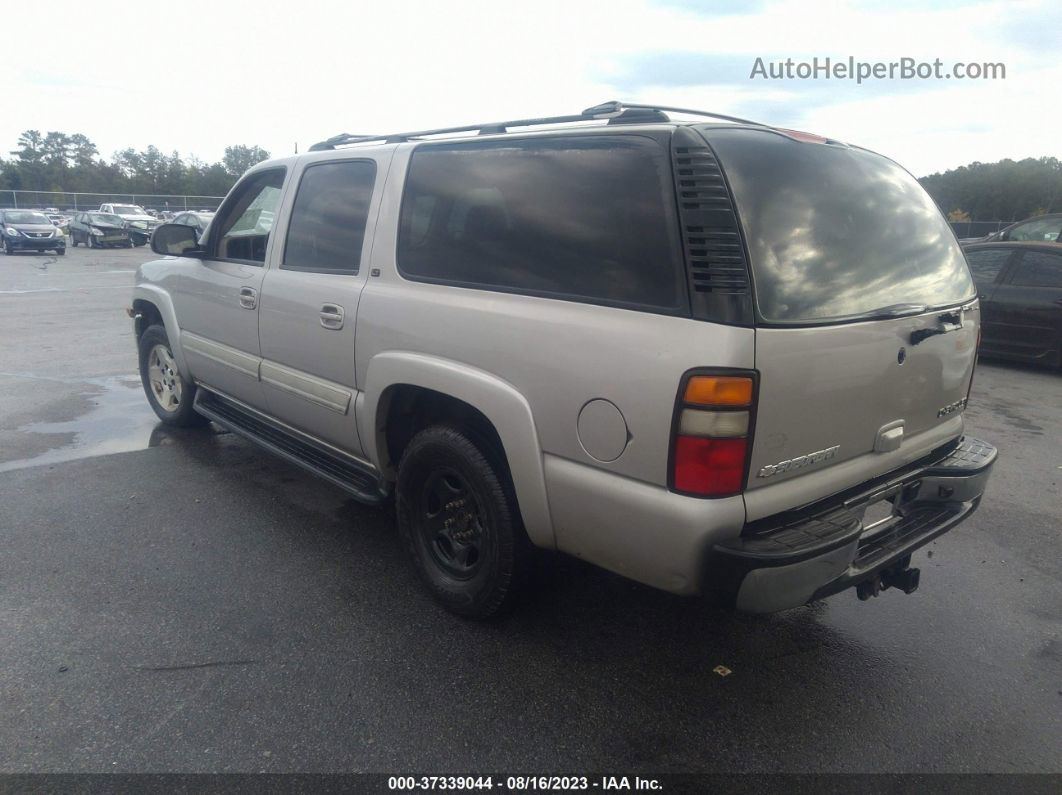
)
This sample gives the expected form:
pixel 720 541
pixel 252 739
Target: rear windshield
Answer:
pixel 835 232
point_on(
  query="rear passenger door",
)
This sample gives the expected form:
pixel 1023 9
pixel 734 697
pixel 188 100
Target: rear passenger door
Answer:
pixel 987 265
pixel 1029 303
pixel 310 297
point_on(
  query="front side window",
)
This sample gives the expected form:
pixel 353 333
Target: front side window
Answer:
pixel 586 218
pixel 1038 269
pixel 247 217
pixel 987 263
pixel 1040 230
pixel 327 226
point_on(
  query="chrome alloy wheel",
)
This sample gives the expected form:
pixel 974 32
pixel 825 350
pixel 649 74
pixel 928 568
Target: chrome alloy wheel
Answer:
pixel 164 378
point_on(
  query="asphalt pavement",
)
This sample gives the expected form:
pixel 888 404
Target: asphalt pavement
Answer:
pixel 182 601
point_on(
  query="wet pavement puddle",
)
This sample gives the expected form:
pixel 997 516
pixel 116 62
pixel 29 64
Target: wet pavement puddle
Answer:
pixel 119 420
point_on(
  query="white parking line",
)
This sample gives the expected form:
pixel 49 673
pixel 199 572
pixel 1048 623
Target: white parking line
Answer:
pixel 80 273
pixel 61 290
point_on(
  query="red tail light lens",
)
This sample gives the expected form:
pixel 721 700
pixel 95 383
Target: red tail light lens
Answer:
pixel 713 420
pixel 710 467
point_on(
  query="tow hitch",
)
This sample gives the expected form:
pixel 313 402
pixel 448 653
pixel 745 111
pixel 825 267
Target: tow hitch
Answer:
pixel 900 575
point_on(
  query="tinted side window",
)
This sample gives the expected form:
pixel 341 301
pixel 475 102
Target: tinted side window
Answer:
pixel 584 218
pixel 328 218
pixel 987 263
pixel 1038 269
pixel 247 217
pixel 1040 230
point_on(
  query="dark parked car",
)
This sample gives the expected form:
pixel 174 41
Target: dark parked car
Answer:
pixel 96 230
pixel 30 230
pixel 197 220
pixel 1020 287
pixel 1040 229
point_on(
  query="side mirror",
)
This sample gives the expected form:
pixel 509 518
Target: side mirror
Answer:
pixel 176 240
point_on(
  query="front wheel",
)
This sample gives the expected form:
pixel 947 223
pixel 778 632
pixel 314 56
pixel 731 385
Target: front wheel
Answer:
pixel 170 394
pixel 458 517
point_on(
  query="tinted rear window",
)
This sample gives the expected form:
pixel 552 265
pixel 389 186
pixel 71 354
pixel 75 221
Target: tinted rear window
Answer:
pixel 327 227
pixel 986 264
pixel 1038 269
pixel 579 217
pixel 834 232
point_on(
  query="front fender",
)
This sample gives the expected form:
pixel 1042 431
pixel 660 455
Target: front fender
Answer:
pixel 154 294
pixel 499 402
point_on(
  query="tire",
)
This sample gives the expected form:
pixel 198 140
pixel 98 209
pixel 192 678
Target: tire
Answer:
pixel 7 249
pixel 60 252
pixel 170 394
pixel 73 240
pixel 459 521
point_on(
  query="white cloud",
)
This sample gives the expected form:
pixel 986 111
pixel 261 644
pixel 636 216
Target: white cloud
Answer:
pixel 196 76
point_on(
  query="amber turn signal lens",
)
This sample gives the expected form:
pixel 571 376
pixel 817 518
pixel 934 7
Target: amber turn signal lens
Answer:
pixel 718 390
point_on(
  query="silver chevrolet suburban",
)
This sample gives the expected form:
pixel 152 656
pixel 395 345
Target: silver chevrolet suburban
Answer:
pixel 714 356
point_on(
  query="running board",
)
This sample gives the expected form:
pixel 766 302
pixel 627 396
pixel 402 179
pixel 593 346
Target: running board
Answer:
pixel 355 477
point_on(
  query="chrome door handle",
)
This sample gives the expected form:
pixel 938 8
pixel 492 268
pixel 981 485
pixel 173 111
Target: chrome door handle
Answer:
pixel 332 316
pixel 248 297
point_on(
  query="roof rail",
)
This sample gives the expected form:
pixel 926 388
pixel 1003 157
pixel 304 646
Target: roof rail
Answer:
pixel 606 110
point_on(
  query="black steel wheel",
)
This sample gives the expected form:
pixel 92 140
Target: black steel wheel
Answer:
pixel 458 517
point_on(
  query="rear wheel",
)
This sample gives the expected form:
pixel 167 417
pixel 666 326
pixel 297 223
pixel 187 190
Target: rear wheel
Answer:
pixel 458 517
pixel 170 394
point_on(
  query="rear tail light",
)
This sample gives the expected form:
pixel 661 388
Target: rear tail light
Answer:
pixel 710 446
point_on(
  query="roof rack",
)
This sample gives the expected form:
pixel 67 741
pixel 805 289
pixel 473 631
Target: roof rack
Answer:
pixel 615 111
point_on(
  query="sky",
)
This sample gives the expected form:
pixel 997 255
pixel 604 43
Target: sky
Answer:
pixel 198 76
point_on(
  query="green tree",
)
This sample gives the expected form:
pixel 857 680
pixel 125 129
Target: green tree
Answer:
pixel 239 158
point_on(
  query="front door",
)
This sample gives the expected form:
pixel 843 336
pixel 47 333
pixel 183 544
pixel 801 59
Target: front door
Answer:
pixel 217 297
pixel 310 299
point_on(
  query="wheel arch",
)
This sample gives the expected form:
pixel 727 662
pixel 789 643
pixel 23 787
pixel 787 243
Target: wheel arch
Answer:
pixel 153 304
pixel 393 379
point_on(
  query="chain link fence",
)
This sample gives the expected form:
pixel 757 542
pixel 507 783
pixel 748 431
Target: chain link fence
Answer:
pixel 70 202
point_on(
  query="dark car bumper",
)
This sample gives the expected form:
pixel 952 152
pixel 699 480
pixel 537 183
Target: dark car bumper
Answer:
pixel 806 556
pixel 112 240
pixel 35 243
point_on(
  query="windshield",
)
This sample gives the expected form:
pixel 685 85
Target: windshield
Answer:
pixel 128 209
pixel 26 217
pixel 836 232
pixel 105 218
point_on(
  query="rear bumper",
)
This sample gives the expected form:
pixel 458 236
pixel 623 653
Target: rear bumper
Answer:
pixel 790 560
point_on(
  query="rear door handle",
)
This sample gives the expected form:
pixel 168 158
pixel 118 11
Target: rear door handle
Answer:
pixel 331 317
pixel 248 297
